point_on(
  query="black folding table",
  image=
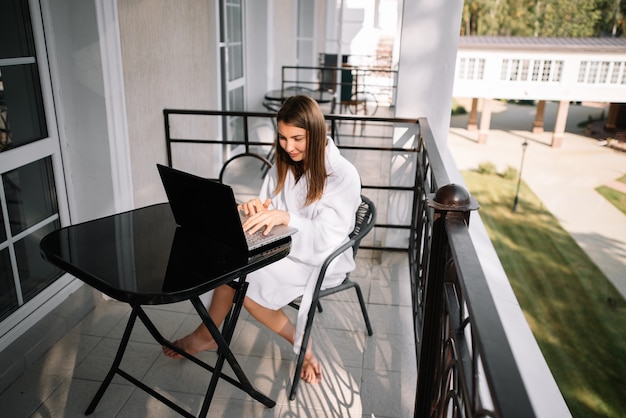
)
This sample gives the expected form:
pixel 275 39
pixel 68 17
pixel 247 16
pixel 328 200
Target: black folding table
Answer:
pixel 142 258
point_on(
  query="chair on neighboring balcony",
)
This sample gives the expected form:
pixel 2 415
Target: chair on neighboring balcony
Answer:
pixel 353 97
pixel 365 218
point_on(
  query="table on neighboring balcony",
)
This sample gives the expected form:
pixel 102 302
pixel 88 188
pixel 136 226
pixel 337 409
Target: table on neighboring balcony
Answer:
pixel 274 98
pixel 142 258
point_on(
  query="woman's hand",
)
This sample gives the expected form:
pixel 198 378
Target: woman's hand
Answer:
pixel 267 218
pixel 254 206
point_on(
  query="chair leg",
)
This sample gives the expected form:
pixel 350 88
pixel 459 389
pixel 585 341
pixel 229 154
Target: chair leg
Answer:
pixel 296 376
pixel 303 348
pixel 366 317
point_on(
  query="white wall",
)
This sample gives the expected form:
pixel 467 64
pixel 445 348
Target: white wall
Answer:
pixel 169 61
pixel 568 87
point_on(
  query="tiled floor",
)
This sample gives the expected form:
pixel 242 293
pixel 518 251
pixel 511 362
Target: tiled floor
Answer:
pixel 363 376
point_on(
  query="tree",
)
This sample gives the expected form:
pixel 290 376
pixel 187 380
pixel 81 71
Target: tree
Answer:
pixel 544 18
pixel 611 22
pixel 567 18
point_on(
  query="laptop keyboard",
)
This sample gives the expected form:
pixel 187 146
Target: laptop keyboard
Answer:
pixel 255 238
pixel 258 239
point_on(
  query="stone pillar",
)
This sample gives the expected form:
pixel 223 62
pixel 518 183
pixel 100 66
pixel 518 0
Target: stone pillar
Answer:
pixel 485 122
pixel 611 118
pixel 559 125
pixel 472 122
pixel 538 123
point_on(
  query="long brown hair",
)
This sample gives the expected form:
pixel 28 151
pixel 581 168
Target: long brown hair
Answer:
pixel 304 112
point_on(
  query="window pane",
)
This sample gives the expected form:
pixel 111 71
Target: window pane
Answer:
pixel 21 106
pixel 8 296
pixel 30 194
pixel 235 62
pixel 3 229
pixel 5 132
pixel 306 54
pixel 235 98
pixel 35 273
pixel 306 13
pixel 15 30
pixel 233 14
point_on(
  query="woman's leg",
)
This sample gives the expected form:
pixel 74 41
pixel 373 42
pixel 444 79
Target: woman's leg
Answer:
pixel 277 321
pixel 201 339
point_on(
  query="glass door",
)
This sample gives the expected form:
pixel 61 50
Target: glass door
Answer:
pixel 32 193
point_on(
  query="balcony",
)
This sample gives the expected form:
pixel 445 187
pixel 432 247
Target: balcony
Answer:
pixel 419 309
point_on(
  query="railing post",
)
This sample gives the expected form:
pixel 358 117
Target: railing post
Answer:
pixel 449 201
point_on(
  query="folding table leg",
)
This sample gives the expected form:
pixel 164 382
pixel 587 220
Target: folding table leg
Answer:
pixel 224 352
pixel 116 363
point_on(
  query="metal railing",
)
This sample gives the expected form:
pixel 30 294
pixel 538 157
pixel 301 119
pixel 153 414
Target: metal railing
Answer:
pixel 350 82
pixel 466 366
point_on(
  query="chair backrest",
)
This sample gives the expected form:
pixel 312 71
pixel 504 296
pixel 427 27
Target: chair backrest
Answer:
pixel 244 173
pixel 365 219
pixel 347 80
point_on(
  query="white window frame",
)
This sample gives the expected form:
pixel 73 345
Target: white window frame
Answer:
pixel 31 312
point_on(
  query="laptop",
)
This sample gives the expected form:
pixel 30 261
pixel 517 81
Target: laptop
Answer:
pixel 209 207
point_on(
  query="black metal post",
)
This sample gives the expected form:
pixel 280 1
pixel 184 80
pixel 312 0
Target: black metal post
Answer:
pixel 519 180
pixel 449 201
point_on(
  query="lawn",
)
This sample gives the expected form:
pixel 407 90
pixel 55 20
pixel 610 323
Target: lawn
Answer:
pixel 616 198
pixel 575 313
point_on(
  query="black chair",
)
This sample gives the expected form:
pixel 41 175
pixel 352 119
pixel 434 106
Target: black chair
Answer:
pixel 245 173
pixel 365 218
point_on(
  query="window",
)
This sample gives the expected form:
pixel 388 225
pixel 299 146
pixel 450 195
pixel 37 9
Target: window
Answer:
pixel 232 65
pixel 305 41
pixel 21 107
pixel 28 195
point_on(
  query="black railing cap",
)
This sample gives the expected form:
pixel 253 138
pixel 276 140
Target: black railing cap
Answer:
pixel 452 197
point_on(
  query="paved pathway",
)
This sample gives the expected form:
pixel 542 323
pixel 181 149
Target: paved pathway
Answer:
pixel 563 178
pixel 617 185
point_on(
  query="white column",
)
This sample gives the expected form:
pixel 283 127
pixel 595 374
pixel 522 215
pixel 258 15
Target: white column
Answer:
pixel 472 121
pixel 559 125
pixel 485 122
pixel 538 123
pixel 430 37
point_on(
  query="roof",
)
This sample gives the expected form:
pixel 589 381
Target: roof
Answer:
pixel 554 44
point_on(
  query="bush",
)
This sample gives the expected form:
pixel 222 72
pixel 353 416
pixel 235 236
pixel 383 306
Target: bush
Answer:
pixel 510 173
pixel 459 110
pixel 487 168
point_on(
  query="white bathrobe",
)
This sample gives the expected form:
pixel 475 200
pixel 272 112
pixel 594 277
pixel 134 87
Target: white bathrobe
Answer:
pixel 322 227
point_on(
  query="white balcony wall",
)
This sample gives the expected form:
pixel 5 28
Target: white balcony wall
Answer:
pixel 169 56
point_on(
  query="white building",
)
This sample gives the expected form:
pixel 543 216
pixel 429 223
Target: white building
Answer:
pixel 540 69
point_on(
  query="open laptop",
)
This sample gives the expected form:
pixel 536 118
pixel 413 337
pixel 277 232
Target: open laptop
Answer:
pixel 209 207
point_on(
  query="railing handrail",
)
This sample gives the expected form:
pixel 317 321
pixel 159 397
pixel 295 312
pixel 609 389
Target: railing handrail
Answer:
pixel 315 78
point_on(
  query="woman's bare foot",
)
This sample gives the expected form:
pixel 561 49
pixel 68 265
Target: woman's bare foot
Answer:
pixel 311 369
pixel 193 343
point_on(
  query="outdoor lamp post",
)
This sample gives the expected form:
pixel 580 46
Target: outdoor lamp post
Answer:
pixel 519 180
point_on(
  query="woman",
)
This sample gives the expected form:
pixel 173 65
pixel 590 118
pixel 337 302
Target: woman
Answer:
pixel 310 187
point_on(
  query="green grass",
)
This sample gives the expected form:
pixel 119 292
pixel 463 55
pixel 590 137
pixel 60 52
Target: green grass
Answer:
pixel 575 313
pixel 617 199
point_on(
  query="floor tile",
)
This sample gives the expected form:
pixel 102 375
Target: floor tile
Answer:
pixel 363 376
